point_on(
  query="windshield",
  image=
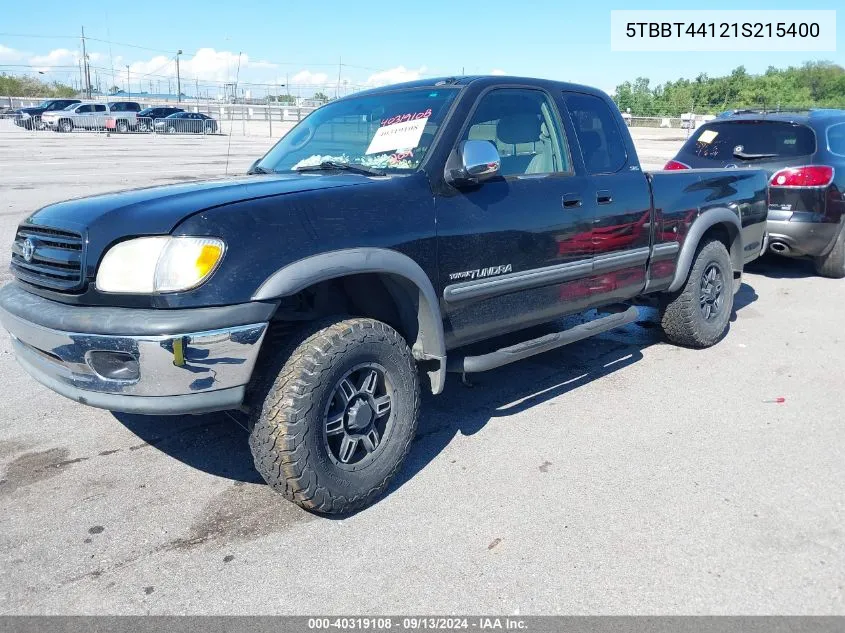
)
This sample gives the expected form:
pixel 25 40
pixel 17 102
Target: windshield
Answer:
pixel 389 131
pixel 45 104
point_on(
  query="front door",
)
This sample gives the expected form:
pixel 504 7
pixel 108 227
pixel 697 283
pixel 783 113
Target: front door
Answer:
pixel 515 250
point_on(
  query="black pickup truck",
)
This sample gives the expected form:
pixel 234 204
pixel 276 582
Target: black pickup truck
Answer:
pixel 373 243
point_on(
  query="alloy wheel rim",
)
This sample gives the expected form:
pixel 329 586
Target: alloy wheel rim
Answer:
pixel 711 297
pixel 359 416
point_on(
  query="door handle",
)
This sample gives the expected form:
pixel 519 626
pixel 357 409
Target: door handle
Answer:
pixel 603 196
pixel 571 200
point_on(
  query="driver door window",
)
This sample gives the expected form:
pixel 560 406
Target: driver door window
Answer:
pixel 523 127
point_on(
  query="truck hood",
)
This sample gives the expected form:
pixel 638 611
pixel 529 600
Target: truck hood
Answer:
pixel 157 210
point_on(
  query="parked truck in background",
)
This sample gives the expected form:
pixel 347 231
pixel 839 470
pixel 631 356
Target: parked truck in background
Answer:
pixel 368 248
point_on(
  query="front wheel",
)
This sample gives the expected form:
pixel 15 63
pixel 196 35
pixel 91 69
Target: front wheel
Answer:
pixel 698 314
pixel 833 264
pixel 171 129
pixel 333 414
pixel 66 125
pixel 122 127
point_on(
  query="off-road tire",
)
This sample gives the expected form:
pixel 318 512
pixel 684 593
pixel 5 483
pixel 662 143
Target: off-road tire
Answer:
pixel 288 406
pixel 681 314
pixel 833 264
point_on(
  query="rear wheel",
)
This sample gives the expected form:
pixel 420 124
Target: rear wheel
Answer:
pixel 698 314
pixel 833 264
pixel 334 414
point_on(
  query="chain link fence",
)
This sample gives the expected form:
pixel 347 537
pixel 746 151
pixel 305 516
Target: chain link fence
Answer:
pixel 690 115
pixel 242 119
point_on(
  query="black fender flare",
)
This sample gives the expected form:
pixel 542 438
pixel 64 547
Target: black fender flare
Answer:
pixel 430 343
pixel 699 227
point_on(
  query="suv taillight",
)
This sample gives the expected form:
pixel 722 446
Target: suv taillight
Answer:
pixel 805 176
pixel 672 165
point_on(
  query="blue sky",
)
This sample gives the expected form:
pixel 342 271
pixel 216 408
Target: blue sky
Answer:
pixel 301 42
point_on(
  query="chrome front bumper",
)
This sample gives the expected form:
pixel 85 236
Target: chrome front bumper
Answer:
pixel 159 374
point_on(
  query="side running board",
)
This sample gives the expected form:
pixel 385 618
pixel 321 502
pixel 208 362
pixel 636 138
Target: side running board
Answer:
pixel 506 355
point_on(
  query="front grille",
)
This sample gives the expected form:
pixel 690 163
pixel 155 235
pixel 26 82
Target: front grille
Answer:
pixel 50 258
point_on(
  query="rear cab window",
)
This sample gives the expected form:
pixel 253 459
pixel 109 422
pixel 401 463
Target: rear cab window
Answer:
pixel 601 141
pixel 729 141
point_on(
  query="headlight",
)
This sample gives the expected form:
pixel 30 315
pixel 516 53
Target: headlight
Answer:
pixel 159 264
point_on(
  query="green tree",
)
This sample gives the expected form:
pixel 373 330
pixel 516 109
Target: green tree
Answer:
pixel 27 86
pixel 813 84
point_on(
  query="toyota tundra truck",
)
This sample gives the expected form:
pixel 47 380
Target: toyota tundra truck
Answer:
pixel 359 258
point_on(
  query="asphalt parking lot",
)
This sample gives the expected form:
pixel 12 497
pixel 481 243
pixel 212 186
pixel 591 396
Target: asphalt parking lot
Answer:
pixel 617 475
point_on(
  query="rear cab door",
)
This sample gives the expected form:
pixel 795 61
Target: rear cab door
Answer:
pixel 98 116
pixel 619 194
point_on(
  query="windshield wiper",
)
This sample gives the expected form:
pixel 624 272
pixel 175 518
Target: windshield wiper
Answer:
pixel 258 169
pixel 328 165
pixel 745 156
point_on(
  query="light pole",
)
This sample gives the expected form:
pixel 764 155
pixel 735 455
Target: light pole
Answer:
pixel 128 87
pixel 178 78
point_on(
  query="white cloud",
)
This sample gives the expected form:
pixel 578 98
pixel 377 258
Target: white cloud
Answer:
pixel 207 64
pixel 158 65
pixel 395 75
pixel 10 54
pixel 306 77
pixel 498 72
pixel 56 57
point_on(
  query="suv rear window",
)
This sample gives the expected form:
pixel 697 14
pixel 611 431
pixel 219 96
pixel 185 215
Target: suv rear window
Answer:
pixel 720 141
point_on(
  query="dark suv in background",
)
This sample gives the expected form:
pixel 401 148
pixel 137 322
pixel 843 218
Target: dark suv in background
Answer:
pixel 30 118
pixel 147 116
pixel 804 155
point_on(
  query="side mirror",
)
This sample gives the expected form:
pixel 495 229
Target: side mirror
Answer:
pixel 472 162
pixel 251 170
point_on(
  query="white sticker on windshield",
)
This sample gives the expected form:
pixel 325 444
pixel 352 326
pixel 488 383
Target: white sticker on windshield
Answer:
pixel 707 136
pixel 397 136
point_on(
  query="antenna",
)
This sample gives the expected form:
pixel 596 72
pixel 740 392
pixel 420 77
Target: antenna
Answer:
pixel 232 121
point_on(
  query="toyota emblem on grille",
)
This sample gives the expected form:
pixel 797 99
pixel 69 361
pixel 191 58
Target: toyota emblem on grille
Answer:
pixel 27 249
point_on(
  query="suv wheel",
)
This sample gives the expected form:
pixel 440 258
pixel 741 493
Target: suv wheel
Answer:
pixel 333 414
pixel 698 314
pixel 833 264
pixel 66 125
pixel 122 126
